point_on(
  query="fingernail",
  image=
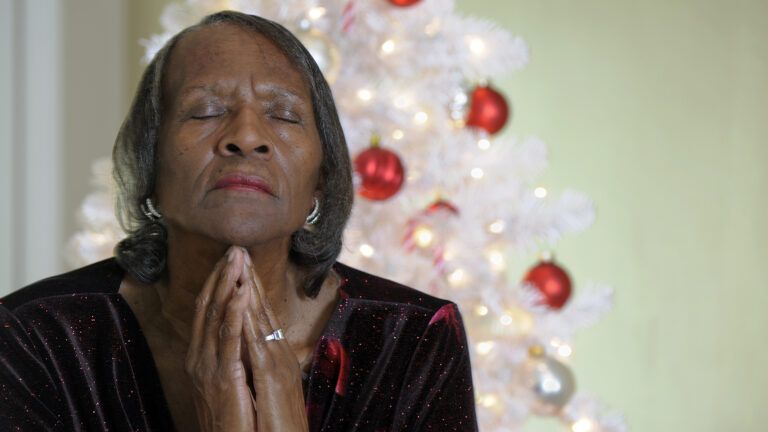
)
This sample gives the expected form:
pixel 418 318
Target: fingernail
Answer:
pixel 231 255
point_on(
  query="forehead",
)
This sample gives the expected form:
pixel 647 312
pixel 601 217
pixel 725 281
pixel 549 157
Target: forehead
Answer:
pixel 226 54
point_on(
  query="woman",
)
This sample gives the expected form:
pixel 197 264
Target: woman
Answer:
pixel 225 309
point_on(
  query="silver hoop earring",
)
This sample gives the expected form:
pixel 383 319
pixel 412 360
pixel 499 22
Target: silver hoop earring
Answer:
pixel 150 211
pixel 315 215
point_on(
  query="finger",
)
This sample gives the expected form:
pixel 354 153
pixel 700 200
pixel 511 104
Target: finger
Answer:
pixel 265 316
pixel 254 341
pixel 262 301
pixel 214 313
pixel 201 305
pixel 231 330
pixel 255 312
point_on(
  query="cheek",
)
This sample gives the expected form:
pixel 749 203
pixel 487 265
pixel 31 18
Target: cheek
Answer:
pixel 179 167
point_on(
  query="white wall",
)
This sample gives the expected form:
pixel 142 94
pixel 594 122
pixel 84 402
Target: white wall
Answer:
pixel 31 194
pixel 7 130
pixel 62 73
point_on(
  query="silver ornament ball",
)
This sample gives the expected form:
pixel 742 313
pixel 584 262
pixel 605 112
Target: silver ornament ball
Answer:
pixel 549 383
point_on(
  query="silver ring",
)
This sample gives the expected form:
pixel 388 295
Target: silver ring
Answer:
pixel 275 335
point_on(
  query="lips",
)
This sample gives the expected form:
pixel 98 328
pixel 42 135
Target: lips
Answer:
pixel 244 182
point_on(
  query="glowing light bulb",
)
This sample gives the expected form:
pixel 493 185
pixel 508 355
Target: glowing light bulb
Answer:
pixel 457 277
pixel 489 400
pixel 476 45
pixel 364 94
pixel 483 348
pixel 582 425
pixel 564 350
pixel 423 236
pixel 498 263
pixel 506 319
pixel 477 173
pixel 316 13
pixel 481 310
pixel 483 144
pixel 420 117
pixel 496 226
pixel 540 192
pixel 388 47
pixel 366 250
pixel 397 134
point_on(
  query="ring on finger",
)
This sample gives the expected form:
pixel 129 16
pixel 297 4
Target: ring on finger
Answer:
pixel 275 335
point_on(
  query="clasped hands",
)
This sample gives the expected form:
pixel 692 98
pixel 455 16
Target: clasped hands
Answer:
pixel 232 318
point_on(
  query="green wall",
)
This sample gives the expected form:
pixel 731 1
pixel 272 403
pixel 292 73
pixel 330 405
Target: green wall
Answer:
pixel 656 109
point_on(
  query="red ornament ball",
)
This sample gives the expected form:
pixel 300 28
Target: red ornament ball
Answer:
pixel 552 281
pixel 488 109
pixel 381 173
pixel 404 3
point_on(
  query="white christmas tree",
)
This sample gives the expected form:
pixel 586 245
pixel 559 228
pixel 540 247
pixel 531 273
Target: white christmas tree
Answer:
pixel 443 201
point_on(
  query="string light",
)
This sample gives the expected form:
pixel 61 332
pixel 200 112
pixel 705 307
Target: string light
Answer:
pixel 483 348
pixel 316 13
pixel 423 236
pixel 476 45
pixel 397 134
pixel 477 173
pixel 483 144
pixel 488 400
pixel 420 117
pixel 506 319
pixel 457 277
pixel 388 47
pixel 481 310
pixel 540 192
pixel 364 94
pixel 366 250
pixel 582 425
pixel 498 263
pixel 497 226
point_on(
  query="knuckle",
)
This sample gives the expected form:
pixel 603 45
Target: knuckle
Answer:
pixel 212 312
pixel 262 316
pixel 225 331
pixel 200 301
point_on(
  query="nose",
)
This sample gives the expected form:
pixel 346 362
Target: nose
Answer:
pixel 245 136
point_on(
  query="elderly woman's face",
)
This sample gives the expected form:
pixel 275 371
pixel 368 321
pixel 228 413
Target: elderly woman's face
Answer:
pixel 239 151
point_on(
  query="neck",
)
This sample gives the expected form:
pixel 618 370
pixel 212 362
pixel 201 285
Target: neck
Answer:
pixel 190 261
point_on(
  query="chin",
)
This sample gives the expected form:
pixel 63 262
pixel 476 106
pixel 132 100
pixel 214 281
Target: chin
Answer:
pixel 248 234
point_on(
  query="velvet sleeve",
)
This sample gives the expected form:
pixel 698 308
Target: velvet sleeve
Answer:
pixel 438 394
pixel 29 399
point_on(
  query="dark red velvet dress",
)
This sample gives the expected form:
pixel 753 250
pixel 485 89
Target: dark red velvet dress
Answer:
pixel 73 358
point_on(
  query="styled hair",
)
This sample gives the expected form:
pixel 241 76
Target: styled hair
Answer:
pixel 143 252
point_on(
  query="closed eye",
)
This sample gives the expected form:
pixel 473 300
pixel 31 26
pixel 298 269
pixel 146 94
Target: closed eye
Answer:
pixel 206 115
pixel 286 116
pixel 206 111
